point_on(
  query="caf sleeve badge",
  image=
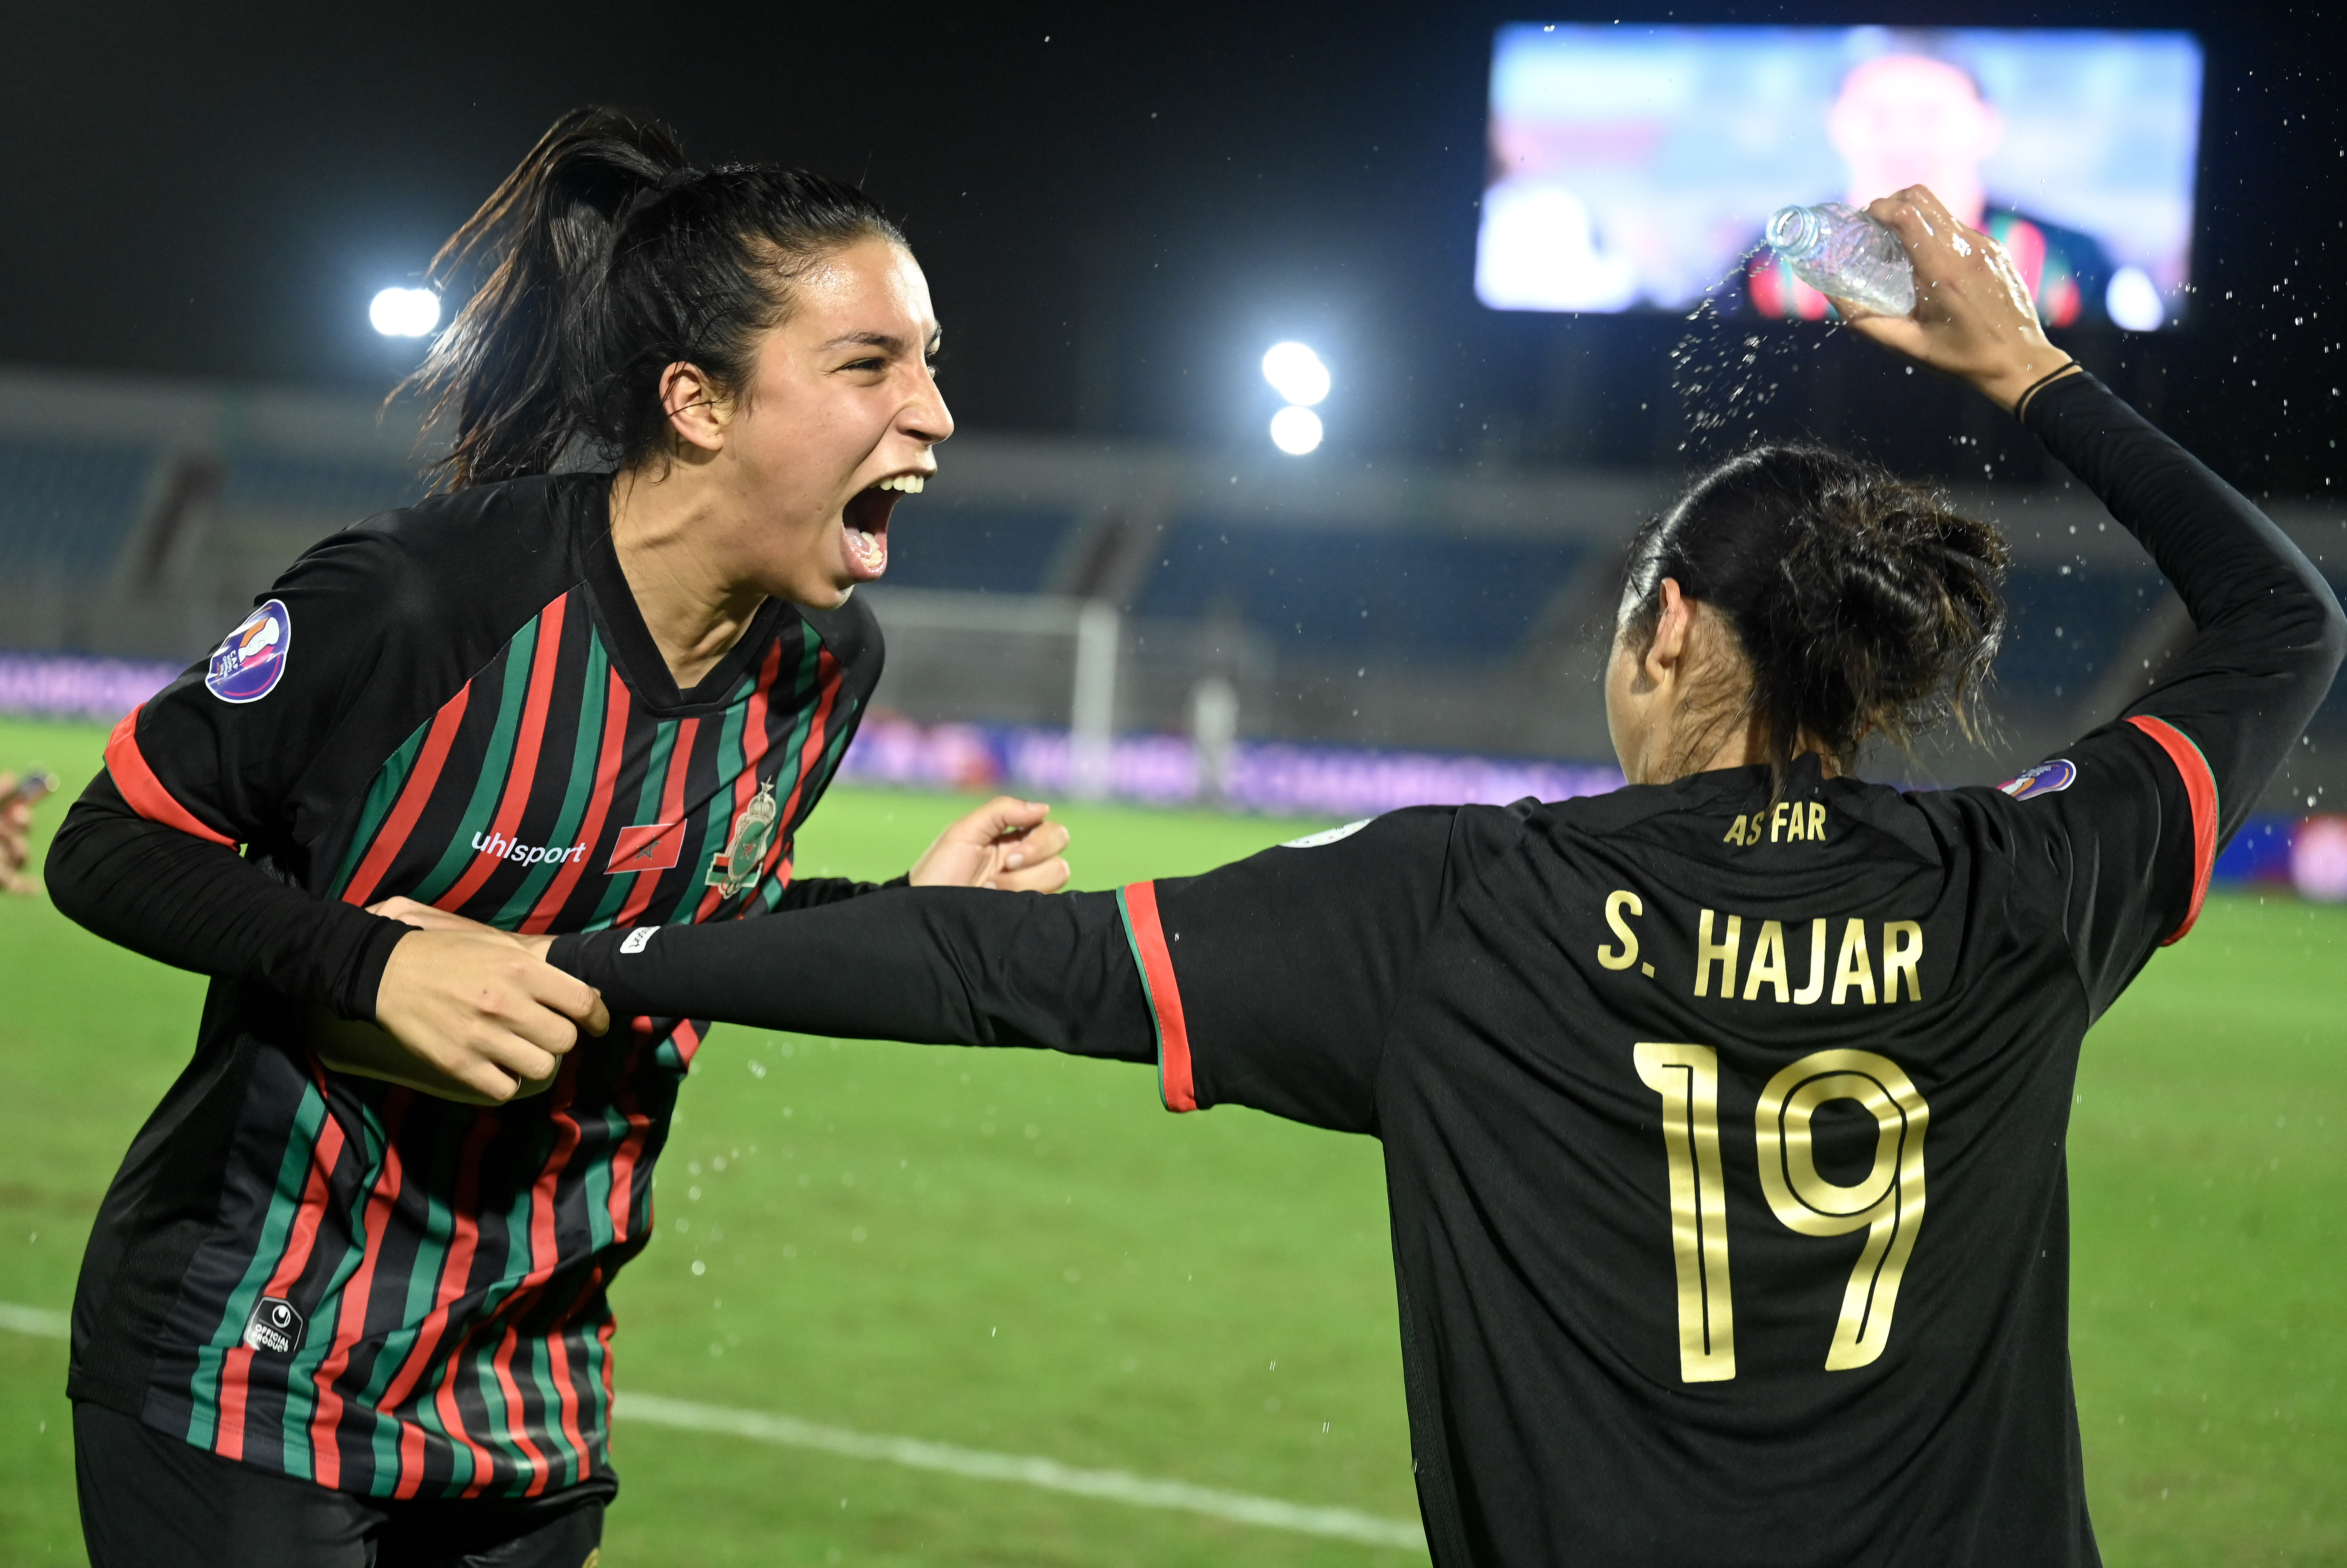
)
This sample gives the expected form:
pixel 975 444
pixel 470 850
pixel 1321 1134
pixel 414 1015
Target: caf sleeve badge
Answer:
pixel 2045 778
pixel 250 661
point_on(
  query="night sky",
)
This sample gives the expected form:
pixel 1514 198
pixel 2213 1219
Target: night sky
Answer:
pixel 1118 207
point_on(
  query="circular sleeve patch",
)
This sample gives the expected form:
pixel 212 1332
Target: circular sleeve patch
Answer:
pixel 250 661
pixel 2045 778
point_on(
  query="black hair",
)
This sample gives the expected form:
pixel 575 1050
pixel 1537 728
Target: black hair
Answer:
pixel 1860 603
pixel 609 257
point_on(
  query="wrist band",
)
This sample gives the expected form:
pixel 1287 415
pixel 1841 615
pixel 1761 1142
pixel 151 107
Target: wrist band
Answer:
pixel 2021 404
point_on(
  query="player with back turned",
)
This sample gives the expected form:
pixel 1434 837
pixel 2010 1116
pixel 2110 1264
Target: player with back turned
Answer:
pixel 1723 1115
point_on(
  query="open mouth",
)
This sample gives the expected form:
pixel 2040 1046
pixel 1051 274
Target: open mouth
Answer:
pixel 865 521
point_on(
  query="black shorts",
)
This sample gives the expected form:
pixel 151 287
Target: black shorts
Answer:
pixel 151 1501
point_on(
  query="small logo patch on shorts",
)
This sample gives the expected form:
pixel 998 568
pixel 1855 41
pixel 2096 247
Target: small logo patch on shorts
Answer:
pixel 250 661
pixel 273 1327
pixel 2045 778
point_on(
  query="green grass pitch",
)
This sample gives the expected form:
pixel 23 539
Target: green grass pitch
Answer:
pixel 1015 1252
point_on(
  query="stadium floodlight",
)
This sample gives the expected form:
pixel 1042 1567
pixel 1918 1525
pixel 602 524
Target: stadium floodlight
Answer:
pixel 2134 302
pixel 404 313
pixel 1296 373
pixel 1295 431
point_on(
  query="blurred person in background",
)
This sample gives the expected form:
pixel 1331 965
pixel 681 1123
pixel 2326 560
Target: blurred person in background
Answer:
pixel 1916 115
pixel 345 1303
pixel 18 795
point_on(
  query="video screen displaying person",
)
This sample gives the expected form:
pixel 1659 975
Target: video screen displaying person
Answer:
pixel 1911 118
pixel 1633 168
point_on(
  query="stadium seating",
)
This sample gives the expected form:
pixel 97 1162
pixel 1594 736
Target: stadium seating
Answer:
pixel 946 543
pixel 67 507
pixel 334 490
pixel 2068 624
pixel 1425 598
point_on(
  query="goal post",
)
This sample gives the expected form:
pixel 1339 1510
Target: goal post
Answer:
pixel 1042 659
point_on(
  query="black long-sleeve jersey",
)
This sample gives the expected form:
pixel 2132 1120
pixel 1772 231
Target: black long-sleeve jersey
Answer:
pixel 1723 1130
pixel 346 1280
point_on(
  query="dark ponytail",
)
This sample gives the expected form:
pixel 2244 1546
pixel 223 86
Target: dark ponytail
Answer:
pixel 1861 604
pixel 610 257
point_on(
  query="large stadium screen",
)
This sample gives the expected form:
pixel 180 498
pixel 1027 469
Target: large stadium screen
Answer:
pixel 1632 168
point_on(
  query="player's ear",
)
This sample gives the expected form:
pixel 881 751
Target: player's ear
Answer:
pixel 1674 627
pixel 697 410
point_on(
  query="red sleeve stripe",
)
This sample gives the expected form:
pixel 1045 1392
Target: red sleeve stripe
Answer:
pixel 1138 901
pixel 2200 789
pixel 143 790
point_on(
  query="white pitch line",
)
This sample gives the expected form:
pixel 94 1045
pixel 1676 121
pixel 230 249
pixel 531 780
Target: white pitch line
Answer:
pixel 37 1321
pixel 1113 1485
pixel 1110 1485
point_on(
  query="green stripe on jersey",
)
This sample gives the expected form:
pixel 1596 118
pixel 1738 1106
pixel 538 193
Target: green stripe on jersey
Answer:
pixel 498 1433
pixel 382 795
pixel 718 827
pixel 585 750
pixel 423 1285
pixel 284 1203
pixel 490 782
pixel 647 807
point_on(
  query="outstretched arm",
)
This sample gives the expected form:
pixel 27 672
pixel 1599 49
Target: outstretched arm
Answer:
pixel 933 966
pixel 1265 983
pixel 1007 844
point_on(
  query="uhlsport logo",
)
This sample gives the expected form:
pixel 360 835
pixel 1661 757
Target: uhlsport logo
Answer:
pixel 275 1327
pixel 498 846
pixel 247 664
pixel 2045 778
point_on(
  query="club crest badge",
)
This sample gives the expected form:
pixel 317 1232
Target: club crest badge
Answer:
pixel 2045 778
pixel 745 852
pixel 248 663
pixel 275 1327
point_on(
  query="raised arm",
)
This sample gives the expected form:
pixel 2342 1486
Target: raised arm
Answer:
pixel 2123 830
pixel 2269 635
pixel 2268 632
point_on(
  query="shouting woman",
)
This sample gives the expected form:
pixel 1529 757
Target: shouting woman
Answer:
pixel 346 1302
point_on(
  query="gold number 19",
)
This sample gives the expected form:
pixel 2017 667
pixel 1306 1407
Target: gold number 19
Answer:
pixel 1887 1205
pixel 1687 1078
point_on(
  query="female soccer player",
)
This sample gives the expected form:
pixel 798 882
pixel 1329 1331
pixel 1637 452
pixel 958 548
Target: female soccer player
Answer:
pixel 332 1313
pixel 1664 1077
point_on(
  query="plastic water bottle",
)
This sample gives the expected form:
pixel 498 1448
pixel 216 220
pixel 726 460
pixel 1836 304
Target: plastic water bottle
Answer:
pixel 1840 251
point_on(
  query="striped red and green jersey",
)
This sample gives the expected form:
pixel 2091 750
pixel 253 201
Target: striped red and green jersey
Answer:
pixel 349 1281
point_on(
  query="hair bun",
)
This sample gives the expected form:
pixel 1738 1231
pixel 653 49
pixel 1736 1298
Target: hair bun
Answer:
pixel 1863 603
